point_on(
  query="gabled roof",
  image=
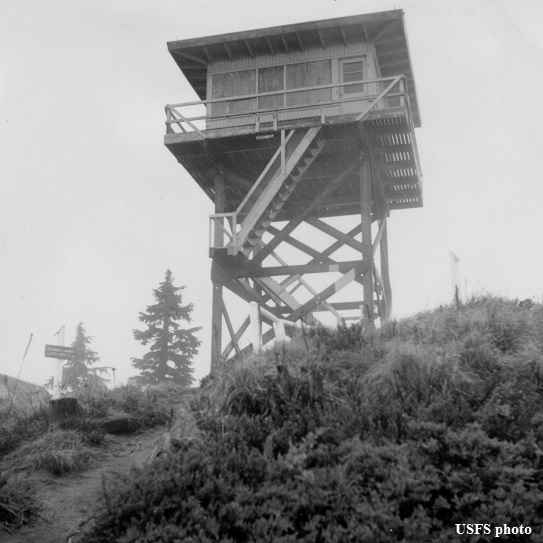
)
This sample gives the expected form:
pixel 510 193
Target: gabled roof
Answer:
pixel 386 30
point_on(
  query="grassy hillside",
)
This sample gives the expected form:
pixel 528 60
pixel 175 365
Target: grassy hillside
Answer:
pixel 393 435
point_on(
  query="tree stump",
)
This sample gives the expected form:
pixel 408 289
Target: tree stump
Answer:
pixel 63 408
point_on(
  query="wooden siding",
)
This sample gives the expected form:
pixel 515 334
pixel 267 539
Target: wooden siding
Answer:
pixel 311 67
pixel 316 53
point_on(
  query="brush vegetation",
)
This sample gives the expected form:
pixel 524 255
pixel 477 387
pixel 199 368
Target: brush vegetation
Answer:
pixel 29 442
pixel 346 435
pixel 17 502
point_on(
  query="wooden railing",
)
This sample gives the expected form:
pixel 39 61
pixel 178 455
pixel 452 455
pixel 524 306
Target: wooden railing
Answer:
pixel 195 116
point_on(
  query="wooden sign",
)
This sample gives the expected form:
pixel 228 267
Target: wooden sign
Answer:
pixel 59 352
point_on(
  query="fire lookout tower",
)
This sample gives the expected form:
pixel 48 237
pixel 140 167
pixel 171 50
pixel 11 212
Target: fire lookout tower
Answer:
pixel 297 125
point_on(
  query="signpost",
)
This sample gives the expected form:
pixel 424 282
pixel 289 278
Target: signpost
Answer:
pixel 60 408
pixel 59 352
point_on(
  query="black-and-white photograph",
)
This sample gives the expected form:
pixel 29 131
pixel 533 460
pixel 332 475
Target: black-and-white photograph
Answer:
pixel 270 272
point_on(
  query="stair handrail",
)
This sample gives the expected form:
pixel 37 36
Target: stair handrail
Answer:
pixel 257 183
pixel 276 180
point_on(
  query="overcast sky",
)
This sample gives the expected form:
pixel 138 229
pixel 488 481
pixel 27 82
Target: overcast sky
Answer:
pixel 94 208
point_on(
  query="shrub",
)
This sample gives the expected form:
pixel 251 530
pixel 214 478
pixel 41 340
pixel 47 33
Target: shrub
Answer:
pixel 17 502
pixel 389 436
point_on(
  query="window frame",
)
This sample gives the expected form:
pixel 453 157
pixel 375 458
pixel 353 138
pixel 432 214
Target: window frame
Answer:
pixel 351 60
pixel 284 65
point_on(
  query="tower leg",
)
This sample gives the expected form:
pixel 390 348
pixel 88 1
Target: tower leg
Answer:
pixel 216 327
pixel 385 274
pixel 217 307
pixel 367 249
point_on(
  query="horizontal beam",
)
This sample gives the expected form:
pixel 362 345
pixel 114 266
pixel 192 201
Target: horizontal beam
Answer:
pixel 347 306
pixel 270 271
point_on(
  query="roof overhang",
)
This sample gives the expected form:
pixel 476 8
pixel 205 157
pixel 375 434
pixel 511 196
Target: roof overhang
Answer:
pixel 386 30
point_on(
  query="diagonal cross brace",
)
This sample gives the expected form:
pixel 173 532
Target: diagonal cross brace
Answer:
pixel 291 226
pixel 341 283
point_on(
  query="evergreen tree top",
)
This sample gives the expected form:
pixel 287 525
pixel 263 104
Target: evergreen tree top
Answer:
pixel 171 347
pixel 169 304
pixel 82 352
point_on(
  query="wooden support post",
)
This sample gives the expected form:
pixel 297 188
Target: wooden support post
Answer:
pixel 216 326
pixel 256 327
pixel 385 273
pixel 279 329
pixel 367 249
pixel 217 307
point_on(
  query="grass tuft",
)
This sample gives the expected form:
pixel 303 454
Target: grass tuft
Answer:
pixel 58 452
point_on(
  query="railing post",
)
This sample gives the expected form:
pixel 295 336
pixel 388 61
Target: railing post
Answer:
pixel 169 129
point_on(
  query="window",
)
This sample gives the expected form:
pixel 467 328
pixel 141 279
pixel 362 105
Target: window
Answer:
pixel 272 79
pixel 352 70
pixel 309 74
pixel 234 84
pixel 269 80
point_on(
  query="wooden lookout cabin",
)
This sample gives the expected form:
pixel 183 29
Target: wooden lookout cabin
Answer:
pixel 296 125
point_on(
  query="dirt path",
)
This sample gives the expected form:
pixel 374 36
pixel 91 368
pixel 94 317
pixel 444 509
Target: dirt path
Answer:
pixel 67 503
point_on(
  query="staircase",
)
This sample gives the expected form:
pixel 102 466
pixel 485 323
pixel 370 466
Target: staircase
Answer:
pixel 274 187
pixel 393 143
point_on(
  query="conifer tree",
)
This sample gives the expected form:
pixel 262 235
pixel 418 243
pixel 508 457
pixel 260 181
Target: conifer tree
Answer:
pixel 171 347
pixel 78 373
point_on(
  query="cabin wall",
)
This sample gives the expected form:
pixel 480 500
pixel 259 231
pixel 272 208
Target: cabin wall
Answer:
pixel 285 70
pixel 317 53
